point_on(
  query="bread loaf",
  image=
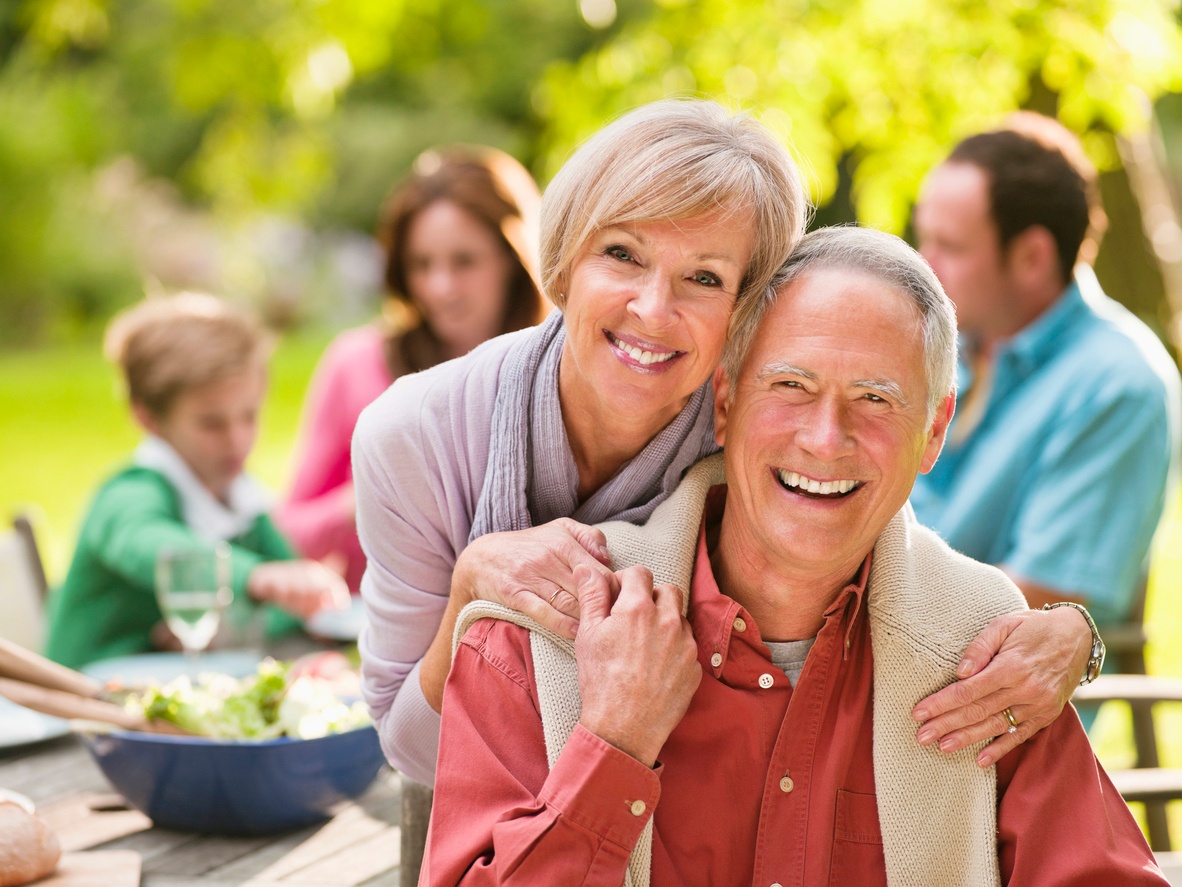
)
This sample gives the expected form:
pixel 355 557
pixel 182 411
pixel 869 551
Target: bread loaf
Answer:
pixel 28 849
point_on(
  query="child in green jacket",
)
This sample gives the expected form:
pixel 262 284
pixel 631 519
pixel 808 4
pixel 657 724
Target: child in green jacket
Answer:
pixel 196 376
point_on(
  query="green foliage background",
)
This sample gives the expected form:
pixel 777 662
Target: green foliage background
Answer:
pixel 312 108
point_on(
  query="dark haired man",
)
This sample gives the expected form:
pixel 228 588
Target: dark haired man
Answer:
pixel 1067 426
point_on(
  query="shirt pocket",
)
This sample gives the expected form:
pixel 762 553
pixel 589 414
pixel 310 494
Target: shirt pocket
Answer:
pixel 857 859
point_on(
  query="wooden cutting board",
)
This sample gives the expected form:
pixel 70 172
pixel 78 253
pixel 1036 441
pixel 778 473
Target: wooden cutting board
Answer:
pixel 96 868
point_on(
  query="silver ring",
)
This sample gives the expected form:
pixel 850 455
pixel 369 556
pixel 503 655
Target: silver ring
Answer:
pixel 559 590
pixel 1009 716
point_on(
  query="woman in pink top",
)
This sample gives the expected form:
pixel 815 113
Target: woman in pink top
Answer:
pixel 459 236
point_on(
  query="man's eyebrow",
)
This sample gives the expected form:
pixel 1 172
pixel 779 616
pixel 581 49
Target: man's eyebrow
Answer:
pixel 887 387
pixel 782 368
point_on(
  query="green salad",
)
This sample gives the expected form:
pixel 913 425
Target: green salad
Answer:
pixel 266 705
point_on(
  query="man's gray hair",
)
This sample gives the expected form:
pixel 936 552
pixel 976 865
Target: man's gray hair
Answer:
pixel 879 255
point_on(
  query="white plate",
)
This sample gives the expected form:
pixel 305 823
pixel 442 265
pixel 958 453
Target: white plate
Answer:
pixel 338 625
pixel 21 726
pixel 162 667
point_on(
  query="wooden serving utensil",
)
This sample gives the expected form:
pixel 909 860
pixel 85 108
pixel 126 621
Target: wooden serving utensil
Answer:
pixel 50 688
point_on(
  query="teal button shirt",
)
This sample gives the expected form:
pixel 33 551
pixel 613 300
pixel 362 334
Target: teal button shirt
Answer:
pixel 1064 479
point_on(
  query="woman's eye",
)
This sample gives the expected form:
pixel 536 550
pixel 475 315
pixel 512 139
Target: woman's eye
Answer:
pixel 618 252
pixel 705 278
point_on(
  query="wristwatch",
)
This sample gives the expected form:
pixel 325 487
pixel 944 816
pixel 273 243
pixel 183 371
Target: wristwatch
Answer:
pixel 1096 659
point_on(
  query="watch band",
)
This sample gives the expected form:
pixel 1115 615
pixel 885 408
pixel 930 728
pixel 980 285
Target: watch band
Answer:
pixel 1096 658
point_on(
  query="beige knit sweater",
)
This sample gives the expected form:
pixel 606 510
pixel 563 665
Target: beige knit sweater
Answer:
pixel 937 812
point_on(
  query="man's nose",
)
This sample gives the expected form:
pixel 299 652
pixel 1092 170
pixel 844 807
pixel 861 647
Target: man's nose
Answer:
pixel 826 431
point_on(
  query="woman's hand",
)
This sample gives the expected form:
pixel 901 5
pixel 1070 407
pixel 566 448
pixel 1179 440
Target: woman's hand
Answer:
pixel 531 571
pixel 1029 662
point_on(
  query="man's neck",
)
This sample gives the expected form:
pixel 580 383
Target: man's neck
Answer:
pixel 787 604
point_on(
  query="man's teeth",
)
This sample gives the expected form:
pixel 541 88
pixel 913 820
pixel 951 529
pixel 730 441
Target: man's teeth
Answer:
pixel 808 485
pixel 642 356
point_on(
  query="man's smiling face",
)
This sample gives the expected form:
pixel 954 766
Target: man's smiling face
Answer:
pixel 827 427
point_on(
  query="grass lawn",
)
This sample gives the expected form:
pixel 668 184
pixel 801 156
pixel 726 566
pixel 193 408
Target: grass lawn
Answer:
pixel 64 427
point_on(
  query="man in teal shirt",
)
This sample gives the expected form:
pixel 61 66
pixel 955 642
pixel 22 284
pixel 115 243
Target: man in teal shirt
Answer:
pixel 1066 437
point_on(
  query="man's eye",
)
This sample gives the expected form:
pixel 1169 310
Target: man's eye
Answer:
pixel 874 398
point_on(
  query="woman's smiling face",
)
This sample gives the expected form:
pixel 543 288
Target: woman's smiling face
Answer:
pixel 646 313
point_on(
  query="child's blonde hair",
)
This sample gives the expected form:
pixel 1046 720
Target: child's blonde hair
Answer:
pixel 165 346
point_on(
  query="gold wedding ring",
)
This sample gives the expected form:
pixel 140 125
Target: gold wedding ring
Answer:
pixel 559 590
pixel 1009 716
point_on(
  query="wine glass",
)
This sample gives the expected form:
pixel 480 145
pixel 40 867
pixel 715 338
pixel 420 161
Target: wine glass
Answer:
pixel 192 589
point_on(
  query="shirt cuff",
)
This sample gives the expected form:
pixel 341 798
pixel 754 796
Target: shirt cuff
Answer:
pixel 602 789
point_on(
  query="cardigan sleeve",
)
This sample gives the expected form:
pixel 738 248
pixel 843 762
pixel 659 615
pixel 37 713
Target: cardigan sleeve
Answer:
pixel 419 457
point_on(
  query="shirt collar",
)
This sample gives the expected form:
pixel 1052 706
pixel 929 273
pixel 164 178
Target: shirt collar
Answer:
pixel 207 517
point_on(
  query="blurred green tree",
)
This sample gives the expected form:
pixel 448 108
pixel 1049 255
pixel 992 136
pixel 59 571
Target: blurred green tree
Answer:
pixel 871 95
pixel 305 107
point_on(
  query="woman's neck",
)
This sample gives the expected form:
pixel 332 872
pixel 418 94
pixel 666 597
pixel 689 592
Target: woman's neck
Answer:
pixel 601 441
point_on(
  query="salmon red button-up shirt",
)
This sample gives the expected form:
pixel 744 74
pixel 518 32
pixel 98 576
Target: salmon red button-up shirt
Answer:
pixel 760 784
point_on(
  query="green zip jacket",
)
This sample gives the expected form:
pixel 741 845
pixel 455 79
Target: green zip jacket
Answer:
pixel 107 605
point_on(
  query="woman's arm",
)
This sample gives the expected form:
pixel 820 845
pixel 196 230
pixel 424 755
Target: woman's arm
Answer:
pixel 1030 662
pixel 531 571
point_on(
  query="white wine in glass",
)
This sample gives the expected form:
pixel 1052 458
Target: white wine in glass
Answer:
pixel 192 589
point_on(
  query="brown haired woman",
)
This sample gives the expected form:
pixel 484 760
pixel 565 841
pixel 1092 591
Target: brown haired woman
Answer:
pixel 459 235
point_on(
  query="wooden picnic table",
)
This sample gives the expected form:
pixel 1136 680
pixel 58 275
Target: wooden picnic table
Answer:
pixel 358 846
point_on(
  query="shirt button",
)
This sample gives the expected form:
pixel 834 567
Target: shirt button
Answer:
pixel 716 660
pixel 776 884
pixel 786 784
pixel 740 625
pixel 637 808
pixel 766 680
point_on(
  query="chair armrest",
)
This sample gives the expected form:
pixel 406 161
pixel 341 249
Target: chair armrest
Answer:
pixel 1131 688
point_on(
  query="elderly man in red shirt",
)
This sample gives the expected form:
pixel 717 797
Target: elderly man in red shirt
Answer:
pixel 760 732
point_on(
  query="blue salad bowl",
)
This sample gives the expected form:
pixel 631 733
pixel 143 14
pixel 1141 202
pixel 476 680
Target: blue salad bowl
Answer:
pixel 230 787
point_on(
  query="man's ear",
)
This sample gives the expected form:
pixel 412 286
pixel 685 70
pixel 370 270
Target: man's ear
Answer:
pixel 722 390
pixel 145 418
pixel 1033 255
pixel 938 432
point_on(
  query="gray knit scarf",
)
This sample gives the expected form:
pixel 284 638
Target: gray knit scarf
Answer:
pixel 532 478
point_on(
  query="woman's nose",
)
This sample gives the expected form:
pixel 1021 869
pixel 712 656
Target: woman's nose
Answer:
pixel 653 302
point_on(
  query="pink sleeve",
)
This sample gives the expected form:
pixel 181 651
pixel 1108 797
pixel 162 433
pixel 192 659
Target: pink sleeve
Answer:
pixel 1061 822
pixel 317 515
pixel 500 817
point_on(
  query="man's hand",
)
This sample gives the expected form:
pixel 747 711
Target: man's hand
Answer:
pixel 1030 662
pixel 531 571
pixel 300 587
pixel 638 663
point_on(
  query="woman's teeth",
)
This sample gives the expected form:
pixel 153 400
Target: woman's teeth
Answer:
pixel 640 355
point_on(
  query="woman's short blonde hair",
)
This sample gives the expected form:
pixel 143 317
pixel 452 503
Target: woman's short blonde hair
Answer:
pixel 165 346
pixel 670 160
